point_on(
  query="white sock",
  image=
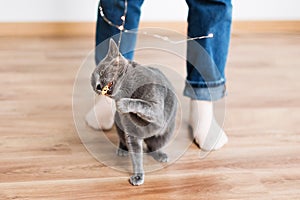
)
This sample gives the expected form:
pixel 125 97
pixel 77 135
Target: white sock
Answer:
pixel 207 133
pixel 101 116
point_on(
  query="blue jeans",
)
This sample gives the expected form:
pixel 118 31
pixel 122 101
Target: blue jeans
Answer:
pixel 205 69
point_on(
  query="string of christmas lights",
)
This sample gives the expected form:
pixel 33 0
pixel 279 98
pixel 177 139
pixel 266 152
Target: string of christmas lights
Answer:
pixel 122 28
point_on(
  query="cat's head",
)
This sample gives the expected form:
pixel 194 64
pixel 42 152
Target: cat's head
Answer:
pixel 109 70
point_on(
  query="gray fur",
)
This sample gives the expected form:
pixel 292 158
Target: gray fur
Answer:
pixel 146 107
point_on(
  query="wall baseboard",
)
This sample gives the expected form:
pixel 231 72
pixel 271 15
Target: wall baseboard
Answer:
pixel 47 29
pixel 57 29
pixel 266 27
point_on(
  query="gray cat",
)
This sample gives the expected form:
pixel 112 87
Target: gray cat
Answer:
pixel 146 107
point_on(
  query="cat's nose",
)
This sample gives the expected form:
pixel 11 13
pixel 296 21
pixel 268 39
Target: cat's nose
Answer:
pixel 98 87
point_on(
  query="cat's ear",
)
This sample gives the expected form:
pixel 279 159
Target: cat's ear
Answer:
pixel 113 50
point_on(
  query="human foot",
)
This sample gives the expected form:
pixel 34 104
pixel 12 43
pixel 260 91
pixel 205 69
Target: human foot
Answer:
pixel 101 116
pixel 207 133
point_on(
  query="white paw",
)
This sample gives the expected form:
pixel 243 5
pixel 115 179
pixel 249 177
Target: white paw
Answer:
pixel 137 179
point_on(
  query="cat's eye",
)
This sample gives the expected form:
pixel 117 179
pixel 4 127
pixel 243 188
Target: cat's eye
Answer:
pixel 98 87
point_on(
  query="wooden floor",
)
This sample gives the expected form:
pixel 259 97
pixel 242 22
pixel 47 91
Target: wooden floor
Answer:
pixel 42 157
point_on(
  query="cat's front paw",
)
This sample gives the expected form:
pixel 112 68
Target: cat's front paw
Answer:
pixel 122 106
pixel 137 179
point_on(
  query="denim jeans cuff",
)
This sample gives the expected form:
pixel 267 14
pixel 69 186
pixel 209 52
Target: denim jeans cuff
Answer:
pixel 205 93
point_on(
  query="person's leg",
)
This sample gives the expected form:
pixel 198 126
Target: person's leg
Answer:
pixel 101 115
pixel 206 60
pixel 114 10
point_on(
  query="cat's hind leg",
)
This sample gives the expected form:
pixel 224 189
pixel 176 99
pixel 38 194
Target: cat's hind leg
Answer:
pixel 154 144
pixel 159 156
pixel 122 149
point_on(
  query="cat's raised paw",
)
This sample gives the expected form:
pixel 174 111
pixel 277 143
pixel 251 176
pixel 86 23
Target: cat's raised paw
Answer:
pixel 122 152
pixel 137 179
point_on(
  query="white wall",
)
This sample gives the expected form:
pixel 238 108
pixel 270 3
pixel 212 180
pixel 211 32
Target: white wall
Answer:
pixel 47 10
pixel 153 10
pixel 266 9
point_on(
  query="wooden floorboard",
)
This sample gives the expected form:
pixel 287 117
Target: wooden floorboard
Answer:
pixel 42 156
pixel 49 29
